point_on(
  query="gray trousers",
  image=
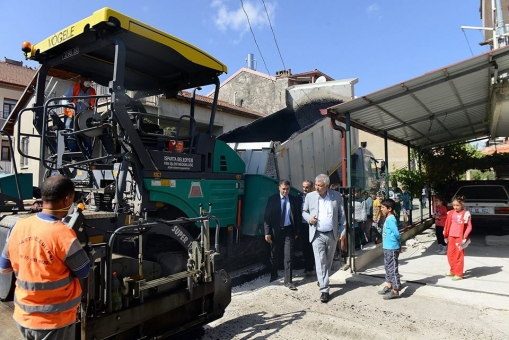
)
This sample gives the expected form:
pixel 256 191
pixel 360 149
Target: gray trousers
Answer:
pixel 63 333
pixel 391 267
pixel 324 246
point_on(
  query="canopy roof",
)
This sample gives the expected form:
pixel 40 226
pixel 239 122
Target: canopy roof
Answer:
pixel 155 61
pixel 445 106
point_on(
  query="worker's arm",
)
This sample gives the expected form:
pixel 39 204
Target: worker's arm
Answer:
pixel 5 262
pixel 77 260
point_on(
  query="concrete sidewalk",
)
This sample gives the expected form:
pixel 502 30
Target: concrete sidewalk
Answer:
pixel 486 273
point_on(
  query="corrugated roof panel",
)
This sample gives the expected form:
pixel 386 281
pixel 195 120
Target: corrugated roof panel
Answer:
pixel 440 107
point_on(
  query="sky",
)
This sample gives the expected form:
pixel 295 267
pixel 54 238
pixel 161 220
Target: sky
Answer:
pixel 382 43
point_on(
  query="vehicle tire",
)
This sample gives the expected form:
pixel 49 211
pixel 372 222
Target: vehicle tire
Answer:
pixel 7 280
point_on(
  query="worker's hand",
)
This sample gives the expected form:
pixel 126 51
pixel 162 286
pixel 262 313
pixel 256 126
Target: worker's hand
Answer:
pixel 296 236
pixel 400 249
pixel 342 237
pixel 268 238
pixel 313 220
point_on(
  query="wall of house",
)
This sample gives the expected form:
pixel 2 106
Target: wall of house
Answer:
pixel 13 94
pixel 255 92
pixel 223 122
pixel 398 153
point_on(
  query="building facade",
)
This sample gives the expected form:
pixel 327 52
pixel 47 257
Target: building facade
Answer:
pixel 14 77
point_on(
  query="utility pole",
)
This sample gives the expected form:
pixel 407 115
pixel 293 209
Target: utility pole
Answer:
pixel 499 23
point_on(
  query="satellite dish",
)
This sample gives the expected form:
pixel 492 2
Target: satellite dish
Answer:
pixel 320 79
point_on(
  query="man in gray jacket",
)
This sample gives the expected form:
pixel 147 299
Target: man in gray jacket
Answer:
pixel 323 208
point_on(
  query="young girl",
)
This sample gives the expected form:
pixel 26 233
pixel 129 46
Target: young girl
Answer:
pixel 456 231
pixel 406 197
pixel 440 216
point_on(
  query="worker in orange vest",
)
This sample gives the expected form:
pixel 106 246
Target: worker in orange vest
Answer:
pixel 83 88
pixel 47 260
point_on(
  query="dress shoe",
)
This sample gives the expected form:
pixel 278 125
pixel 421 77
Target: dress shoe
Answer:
pixel 290 286
pixel 325 297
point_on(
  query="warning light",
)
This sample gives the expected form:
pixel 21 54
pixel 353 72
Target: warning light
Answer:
pixel 195 190
pixel 26 47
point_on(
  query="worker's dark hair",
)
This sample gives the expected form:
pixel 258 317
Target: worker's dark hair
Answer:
pixel 389 203
pixel 284 182
pixel 308 181
pixel 56 188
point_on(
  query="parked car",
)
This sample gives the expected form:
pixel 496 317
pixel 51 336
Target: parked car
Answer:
pixel 488 205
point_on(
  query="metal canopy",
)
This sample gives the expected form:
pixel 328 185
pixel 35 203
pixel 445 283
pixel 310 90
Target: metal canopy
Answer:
pixel 155 61
pixel 445 106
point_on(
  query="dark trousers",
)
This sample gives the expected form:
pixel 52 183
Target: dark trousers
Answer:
pixel 283 240
pixel 307 248
pixel 439 231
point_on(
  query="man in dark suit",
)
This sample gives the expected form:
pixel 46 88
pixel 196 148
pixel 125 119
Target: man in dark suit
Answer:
pixel 323 210
pixel 307 249
pixel 281 222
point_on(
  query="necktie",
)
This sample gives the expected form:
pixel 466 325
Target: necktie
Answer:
pixel 283 213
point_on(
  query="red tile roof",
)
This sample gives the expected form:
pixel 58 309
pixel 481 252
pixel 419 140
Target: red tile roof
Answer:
pixel 14 75
pixel 501 148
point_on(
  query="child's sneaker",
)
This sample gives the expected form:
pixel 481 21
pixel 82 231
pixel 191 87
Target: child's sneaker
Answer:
pixel 457 278
pixel 439 250
pixel 449 274
pixel 443 251
pixel 391 295
pixel 384 290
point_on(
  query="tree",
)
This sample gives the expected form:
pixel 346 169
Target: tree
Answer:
pixel 414 180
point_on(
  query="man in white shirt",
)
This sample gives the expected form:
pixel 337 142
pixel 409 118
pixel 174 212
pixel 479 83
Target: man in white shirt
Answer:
pixel 323 208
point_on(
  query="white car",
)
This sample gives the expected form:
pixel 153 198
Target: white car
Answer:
pixel 488 204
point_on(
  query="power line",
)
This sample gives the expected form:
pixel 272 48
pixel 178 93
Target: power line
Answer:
pixel 274 35
pixel 254 38
pixel 468 43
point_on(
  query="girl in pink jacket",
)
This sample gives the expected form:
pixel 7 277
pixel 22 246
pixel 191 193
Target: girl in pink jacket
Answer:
pixel 456 231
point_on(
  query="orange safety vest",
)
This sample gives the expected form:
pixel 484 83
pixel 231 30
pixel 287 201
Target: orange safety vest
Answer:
pixel 76 92
pixel 47 295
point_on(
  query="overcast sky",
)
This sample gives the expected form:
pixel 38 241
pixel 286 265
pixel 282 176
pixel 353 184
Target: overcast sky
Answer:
pixel 380 42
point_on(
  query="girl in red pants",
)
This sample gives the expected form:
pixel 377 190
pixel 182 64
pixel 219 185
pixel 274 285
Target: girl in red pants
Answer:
pixel 456 231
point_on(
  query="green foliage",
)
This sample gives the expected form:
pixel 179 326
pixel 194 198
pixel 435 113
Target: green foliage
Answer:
pixel 414 180
pixel 446 165
pixel 482 175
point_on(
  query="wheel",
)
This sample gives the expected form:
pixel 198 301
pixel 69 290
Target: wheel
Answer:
pixel 7 280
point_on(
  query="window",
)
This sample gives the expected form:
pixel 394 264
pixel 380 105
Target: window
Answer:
pixel 8 107
pixel 6 152
pixel 24 149
pixel 483 193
